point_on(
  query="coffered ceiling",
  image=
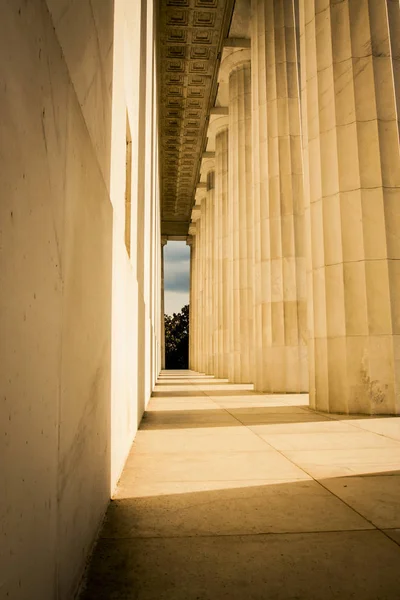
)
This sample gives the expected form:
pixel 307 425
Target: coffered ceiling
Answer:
pixel 190 39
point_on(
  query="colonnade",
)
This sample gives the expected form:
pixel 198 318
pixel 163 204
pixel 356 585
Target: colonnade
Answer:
pixel 296 229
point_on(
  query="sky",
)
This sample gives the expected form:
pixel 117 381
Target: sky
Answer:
pixel 176 276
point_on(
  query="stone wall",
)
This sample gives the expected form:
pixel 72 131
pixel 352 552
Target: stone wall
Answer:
pixel 71 350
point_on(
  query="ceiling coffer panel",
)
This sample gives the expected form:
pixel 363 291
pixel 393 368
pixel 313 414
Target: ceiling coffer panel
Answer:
pixel 190 37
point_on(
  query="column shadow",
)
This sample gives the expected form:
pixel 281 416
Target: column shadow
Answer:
pixel 241 539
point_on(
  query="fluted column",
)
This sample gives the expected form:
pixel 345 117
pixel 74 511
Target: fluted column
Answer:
pixel 191 242
pixel 350 54
pixel 164 240
pixel 236 69
pixel 202 280
pixel 221 154
pixel 280 255
pixel 209 313
pixel 217 128
pixel 215 291
pixel 207 208
pixel 195 315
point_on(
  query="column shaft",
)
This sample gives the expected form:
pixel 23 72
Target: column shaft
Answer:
pixel 240 209
pixel 196 318
pixel 162 315
pixel 216 288
pixel 350 53
pixel 209 250
pixel 221 191
pixel 192 317
pixel 202 287
pixel 280 255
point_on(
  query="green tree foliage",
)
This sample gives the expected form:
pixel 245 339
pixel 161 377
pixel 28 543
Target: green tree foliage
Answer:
pixel 177 340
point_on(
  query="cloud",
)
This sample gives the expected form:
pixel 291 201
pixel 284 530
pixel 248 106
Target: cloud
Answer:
pixel 174 302
pixel 176 267
pixel 176 252
pixel 177 282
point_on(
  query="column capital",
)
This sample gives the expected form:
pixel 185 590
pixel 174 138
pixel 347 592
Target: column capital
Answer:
pixel 201 192
pixel 164 240
pixel 192 230
pixel 217 124
pixel 207 165
pixel 189 240
pixel 195 213
pixel 232 61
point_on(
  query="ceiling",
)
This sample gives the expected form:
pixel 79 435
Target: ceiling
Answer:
pixel 190 39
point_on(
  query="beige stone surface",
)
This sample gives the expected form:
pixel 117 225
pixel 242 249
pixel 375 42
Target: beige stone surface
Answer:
pixel 55 281
pixel 376 498
pixel 86 34
pixel 219 130
pixel 230 566
pixel 256 507
pixel 351 153
pixel 295 260
pixel 69 307
pixel 278 221
pixel 234 189
pixel 216 511
pixel 393 534
pixel 340 440
pixel 342 462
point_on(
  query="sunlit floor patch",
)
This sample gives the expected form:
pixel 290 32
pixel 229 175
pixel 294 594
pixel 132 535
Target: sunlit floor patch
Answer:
pixel 232 494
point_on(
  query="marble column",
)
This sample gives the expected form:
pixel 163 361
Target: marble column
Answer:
pixel 218 137
pixel 201 199
pixel 350 77
pixel 208 176
pixel 191 242
pixel 194 291
pixel 164 240
pixel 222 159
pixel 279 231
pixel 235 69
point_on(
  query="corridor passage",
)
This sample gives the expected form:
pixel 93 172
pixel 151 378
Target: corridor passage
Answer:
pixel 230 494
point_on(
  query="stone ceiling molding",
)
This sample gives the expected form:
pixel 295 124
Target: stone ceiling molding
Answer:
pixel 190 40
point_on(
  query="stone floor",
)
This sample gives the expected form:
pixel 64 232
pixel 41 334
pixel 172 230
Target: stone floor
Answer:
pixel 229 494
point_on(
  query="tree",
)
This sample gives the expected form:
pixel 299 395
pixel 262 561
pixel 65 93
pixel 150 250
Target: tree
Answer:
pixel 177 340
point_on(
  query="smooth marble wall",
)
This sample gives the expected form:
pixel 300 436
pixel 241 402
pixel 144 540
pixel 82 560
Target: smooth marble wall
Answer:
pixel 55 317
pixel 71 348
pixel 136 323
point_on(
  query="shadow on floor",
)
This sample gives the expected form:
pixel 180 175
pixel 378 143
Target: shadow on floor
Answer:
pixel 256 540
pixel 219 382
pixel 206 391
pixel 238 416
pixel 243 496
pixel 177 419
